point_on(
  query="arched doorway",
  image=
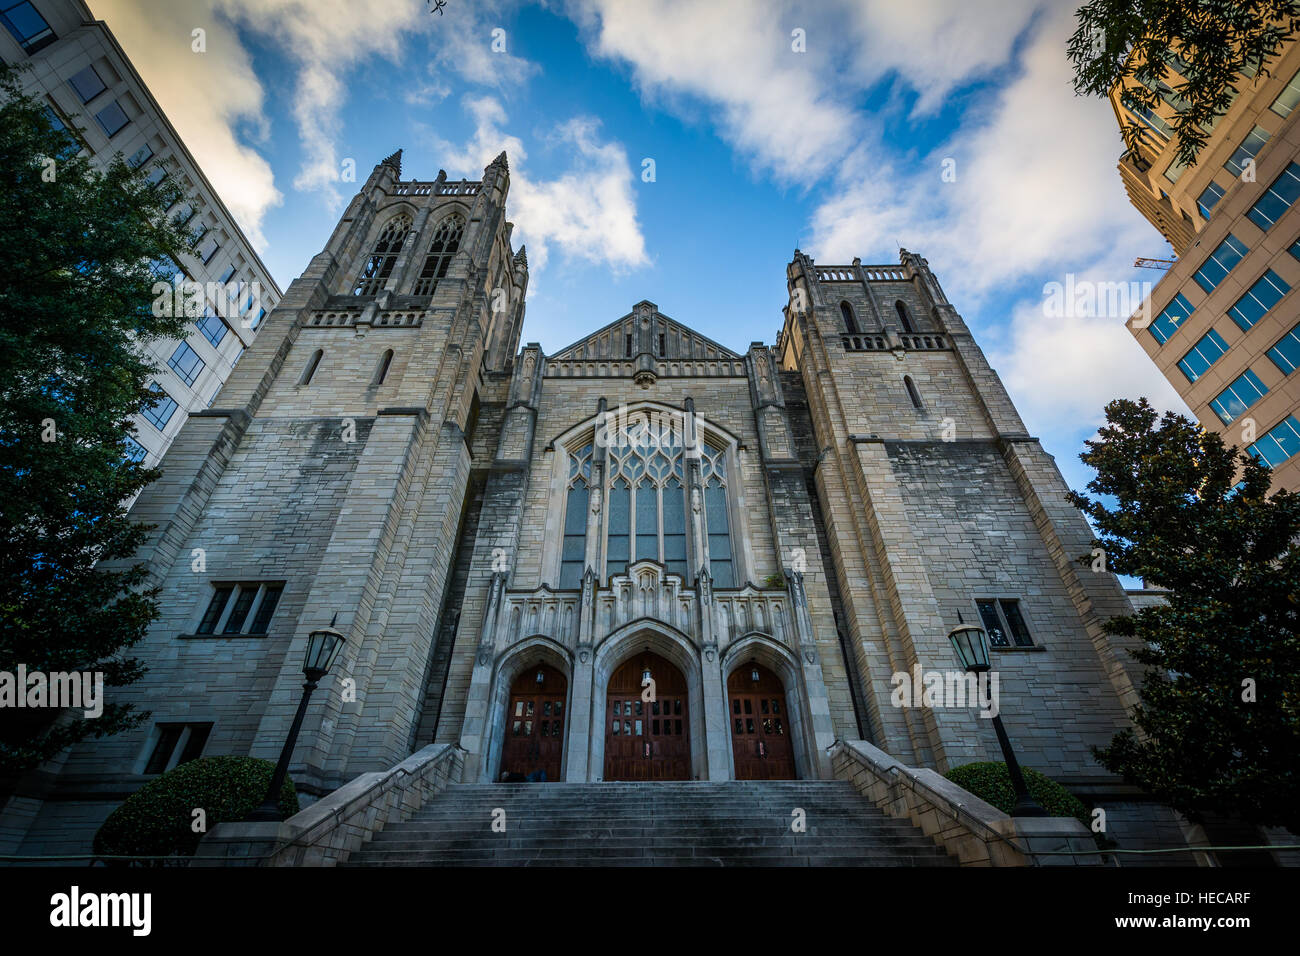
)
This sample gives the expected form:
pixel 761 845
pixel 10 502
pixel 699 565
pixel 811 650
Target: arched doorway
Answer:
pixel 647 724
pixel 535 724
pixel 760 725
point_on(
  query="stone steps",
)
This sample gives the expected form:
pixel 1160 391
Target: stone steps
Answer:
pixel 651 824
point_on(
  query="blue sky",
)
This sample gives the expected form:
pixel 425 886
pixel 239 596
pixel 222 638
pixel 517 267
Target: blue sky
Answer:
pixel 758 146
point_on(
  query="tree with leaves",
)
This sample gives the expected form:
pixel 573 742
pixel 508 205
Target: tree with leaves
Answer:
pixel 1218 723
pixel 76 251
pixel 1209 42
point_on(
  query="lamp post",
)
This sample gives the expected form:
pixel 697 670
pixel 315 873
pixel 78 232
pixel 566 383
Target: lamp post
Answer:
pixel 323 645
pixel 972 647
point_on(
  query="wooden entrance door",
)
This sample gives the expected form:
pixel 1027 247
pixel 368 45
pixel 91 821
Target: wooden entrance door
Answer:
pixel 535 720
pixel 760 726
pixel 647 739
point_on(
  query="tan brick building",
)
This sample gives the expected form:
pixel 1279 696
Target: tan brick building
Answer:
pixel 1223 324
pixel 516 543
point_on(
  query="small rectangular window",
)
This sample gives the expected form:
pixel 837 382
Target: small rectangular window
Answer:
pixel 1220 262
pixel 1170 318
pixel 186 363
pixel 213 329
pixel 1175 169
pixel 177 744
pixel 1280 444
pixel 240 608
pixel 1016 623
pixel 1202 355
pixel 1238 397
pixel 140 156
pixel 207 249
pixel 1247 151
pixel 1277 199
pixel 111 119
pixel 220 595
pixel 27 26
pixel 1003 622
pixel 169 736
pixel 160 413
pixel 1209 198
pixel 134 450
pixel 1286 100
pixel 1286 353
pixel 87 84
pixel 1267 292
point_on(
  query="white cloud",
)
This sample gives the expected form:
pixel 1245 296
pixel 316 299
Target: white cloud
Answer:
pixel 1066 368
pixel 737 56
pixel 157 39
pixel 325 40
pixel 589 211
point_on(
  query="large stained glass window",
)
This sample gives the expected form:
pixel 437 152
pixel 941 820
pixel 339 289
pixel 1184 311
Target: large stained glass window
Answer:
pixel 646 507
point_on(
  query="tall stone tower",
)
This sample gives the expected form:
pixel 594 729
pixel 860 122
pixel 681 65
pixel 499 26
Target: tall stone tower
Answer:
pixel 939 508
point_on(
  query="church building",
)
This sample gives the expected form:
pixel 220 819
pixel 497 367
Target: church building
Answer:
pixel 515 544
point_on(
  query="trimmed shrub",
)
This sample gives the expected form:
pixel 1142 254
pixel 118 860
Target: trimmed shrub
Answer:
pixel 158 819
pixel 992 783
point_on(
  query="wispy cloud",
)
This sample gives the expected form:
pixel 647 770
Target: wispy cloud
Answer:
pixel 157 38
pixel 589 211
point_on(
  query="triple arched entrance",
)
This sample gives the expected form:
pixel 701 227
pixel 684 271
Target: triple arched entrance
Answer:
pixel 658 710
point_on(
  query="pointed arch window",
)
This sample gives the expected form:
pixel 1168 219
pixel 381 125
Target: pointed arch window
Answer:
pixel 384 363
pixel 442 249
pixel 384 256
pixel 850 322
pixel 903 318
pixel 312 364
pixel 577 497
pixel 713 476
pixel 912 393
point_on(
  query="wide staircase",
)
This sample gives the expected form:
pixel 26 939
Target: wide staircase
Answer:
pixel 651 824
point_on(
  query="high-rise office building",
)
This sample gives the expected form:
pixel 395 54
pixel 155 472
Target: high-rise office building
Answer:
pixel 75 65
pixel 1223 324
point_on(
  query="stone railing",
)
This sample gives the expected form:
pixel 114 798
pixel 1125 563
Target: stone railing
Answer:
pixel 332 829
pixel 886 273
pixel 968 829
pixel 876 342
pixel 340 319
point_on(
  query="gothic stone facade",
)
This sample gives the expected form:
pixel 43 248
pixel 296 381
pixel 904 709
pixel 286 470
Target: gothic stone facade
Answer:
pixel 808 518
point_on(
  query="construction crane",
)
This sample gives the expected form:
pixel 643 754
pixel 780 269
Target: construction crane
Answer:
pixel 1161 264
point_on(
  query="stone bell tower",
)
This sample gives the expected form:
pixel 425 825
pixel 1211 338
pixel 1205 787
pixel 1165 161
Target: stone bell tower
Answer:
pixel 329 478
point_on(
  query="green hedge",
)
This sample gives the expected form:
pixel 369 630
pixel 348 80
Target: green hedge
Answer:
pixel 158 819
pixel 992 784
